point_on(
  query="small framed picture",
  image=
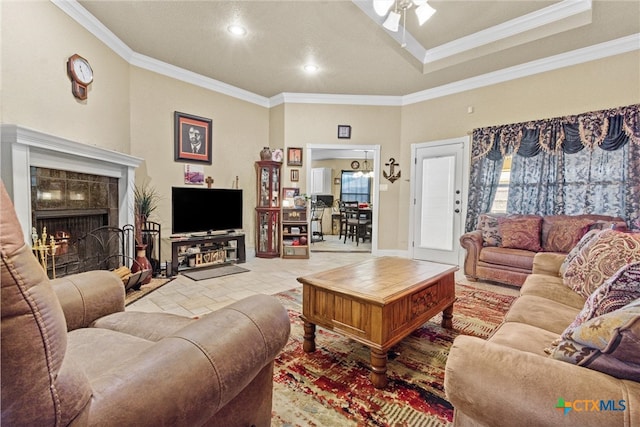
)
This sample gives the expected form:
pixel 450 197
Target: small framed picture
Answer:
pixel 344 131
pixel 290 192
pixel 336 181
pixel 192 138
pixel 295 175
pixel 294 156
pixel 194 174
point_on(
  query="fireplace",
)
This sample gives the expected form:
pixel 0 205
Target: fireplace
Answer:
pixel 69 187
pixel 67 206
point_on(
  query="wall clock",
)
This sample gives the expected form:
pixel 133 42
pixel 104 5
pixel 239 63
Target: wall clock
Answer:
pixel 355 164
pixel 81 75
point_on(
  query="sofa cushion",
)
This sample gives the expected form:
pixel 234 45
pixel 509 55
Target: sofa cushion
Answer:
pixel 520 232
pixel 523 337
pixel 542 313
pixel 552 288
pixel 601 258
pixel 561 233
pixel 488 225
pixel 607 343
pixel 512 257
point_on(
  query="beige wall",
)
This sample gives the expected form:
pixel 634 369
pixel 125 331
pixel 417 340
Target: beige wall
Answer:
pixel 240 130
pixel 607 83
pixel 318 124
pixel 131 110
pixel 37 39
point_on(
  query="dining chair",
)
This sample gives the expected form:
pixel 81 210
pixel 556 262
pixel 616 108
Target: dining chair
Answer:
pixel 356 221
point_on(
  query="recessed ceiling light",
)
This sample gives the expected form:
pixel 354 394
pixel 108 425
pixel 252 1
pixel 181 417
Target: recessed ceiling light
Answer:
pixel 237 30
pixel 311 68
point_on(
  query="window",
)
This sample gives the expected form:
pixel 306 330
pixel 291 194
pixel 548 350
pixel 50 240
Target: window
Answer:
pixel 502 193
pixel 355 188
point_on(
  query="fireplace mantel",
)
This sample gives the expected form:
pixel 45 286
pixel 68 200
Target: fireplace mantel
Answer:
pixel 23 148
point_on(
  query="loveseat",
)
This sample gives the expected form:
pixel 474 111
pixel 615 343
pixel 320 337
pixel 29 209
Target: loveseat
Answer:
pixel 71 355
pixel 559 358
pixel 502 247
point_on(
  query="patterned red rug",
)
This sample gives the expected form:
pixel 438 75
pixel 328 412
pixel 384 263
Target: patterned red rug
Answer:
pixel 331 386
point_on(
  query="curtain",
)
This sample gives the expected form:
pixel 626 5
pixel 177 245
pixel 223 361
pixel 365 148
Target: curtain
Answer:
pixel 587 163
pixel 484 179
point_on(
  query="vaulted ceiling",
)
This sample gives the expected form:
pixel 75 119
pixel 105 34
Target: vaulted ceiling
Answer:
pixel 465 41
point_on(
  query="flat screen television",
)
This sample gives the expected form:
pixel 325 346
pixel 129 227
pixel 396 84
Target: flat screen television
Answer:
pixel 198 210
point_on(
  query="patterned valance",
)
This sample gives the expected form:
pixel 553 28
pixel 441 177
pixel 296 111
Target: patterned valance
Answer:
pixel 607 129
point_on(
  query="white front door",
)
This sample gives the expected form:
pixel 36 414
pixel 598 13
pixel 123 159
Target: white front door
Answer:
pixel 438 201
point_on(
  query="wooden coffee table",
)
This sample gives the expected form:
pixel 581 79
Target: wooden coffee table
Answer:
pixel 377 303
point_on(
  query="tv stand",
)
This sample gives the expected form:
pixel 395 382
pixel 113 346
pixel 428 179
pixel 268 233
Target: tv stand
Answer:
pixel 206 243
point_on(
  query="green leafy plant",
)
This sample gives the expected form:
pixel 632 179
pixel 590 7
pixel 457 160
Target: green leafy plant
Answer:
pixel 146 200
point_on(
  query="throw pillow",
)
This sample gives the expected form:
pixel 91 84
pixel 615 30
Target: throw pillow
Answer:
pixel 600 259
pixel 521 232
pixel 564 235
pixel 584 241
pixel 619 290
pixel 488 224
pixel 607 343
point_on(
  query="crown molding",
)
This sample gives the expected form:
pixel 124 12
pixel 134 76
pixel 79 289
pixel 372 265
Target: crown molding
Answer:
pixel 320 98
pixel 539 20
pixel 95 27
pixel 567 59
pixel 160 67
pixel 579 56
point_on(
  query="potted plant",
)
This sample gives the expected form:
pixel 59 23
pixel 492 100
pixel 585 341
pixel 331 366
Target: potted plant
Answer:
pixel 145 202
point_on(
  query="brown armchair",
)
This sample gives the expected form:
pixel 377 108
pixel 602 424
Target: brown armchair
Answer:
pixel 71 355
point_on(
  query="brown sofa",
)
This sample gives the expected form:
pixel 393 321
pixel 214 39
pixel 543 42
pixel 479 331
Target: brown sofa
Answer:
pixel 509 379
pixel 489 258
pixel 71 355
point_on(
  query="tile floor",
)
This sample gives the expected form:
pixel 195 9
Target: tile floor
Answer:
pixel 187 297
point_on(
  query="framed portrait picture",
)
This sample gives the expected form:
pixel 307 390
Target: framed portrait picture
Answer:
pixel 295 175
pixel 344 131
pixel 192 138
pixel 294 156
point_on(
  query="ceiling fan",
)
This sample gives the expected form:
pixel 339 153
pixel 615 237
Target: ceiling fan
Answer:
pixel 382 7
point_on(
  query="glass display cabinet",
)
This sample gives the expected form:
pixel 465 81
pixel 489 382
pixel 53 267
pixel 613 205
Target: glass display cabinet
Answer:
pixel 268 209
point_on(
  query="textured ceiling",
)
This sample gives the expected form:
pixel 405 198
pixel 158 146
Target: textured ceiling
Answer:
pixel 355 54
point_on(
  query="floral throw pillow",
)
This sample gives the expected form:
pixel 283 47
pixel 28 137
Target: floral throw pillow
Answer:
pixel 521 232
pixel 607 343
pixel 600 259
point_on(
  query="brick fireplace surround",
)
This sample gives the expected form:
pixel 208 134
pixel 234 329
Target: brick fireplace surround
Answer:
pixel 23 149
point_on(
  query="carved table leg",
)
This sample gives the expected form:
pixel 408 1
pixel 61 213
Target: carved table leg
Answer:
pixel 447 317
pixel 309 343
pixel 378 368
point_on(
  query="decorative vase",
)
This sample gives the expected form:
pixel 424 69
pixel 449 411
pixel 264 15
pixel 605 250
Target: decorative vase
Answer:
pixel 265 154
pixel 142 263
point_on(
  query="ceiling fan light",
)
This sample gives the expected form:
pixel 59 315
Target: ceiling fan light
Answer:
pixel 392 22
pixel 382 6
pixel 424 12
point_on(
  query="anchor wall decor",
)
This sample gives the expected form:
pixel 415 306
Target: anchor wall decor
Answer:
pixel 391 176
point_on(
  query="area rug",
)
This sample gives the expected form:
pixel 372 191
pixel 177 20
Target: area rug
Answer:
pixel 210 273
pixel 134 295
pixel 331 386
